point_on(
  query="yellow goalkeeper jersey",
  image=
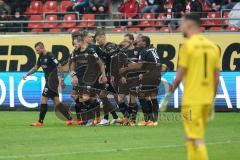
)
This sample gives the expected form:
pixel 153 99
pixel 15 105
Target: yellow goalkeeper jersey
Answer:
pixel 200 57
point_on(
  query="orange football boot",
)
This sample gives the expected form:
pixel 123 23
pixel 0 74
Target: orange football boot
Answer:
pixel 69 122
pixel 142 123
pixel 37 124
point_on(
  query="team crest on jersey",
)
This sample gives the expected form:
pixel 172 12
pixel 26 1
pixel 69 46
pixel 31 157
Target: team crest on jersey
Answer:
pixel 135 53
pixel 45 60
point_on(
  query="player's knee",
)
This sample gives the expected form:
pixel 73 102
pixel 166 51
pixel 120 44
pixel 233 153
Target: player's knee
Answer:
pixel 44 100
pixel 120 99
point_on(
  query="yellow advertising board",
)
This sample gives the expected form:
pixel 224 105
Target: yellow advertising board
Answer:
pixel 17 51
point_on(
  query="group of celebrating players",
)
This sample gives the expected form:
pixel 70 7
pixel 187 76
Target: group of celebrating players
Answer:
pixel 133 69
pixel 130 69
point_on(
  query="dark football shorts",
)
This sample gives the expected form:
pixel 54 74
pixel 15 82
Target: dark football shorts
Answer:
pixel 50 92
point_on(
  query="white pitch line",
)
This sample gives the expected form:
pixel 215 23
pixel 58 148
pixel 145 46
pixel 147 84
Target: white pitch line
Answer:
pixel 104 151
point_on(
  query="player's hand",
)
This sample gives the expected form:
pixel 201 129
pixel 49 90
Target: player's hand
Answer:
pixel 140 77
pixel 112 79
pixel 74 80
pixel 122 70
pixel 24 77
pixel 102 79
pixel 124 80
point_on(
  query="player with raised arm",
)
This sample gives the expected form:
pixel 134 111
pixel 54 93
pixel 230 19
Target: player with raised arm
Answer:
pixel 51 67
pixel 198 67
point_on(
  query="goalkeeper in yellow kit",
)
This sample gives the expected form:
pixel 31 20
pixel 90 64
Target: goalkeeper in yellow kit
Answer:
pixel 198 68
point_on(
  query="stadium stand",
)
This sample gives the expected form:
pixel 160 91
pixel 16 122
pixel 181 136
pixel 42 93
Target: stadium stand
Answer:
pixel 53 16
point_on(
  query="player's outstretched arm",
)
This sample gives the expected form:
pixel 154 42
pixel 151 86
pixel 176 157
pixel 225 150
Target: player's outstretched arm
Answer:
pixel 33 70
pixel 103 78
pixel 74 79
pixel 61 75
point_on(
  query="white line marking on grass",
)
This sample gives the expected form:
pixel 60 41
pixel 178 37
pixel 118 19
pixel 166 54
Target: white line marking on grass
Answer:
pixel 104 151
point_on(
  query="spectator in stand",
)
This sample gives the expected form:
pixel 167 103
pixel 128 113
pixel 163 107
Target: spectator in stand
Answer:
pixel 78 6
pixel 129 10
pixel 178 8
pixel 153 6
pixel 4 17
pixel 18 5
pixel 228 4
pixel 215 5
pixel 4 8
pixel 98 6
pixel 193 6
pixel 18 27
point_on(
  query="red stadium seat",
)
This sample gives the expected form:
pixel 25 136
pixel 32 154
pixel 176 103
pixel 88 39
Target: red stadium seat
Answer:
pixel 32 24
pixel 232 28
pixel 50 6
pixel 51 18
pixel 202 29
pixel 215 29
pixel 55 30
pixel 36 30
pixel 225 15
pixel 70 30
pixel 147 16
pixel 69 17
pixel 119 29
pixel 34 8
pixel 64 6
pixel 212 22
pixel 160 16
pixel 88 24
pixel 166 29
pixel 135 29
pixel 150 29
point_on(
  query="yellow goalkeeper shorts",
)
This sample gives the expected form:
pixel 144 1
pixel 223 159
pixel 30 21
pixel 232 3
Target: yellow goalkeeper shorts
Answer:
pixel 195 118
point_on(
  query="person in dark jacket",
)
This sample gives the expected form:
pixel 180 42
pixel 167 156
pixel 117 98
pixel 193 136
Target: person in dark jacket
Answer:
pixel 153 6
pixel 78 6
pixel 98 6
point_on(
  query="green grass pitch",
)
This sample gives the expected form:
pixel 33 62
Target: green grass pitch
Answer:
pixel 55 141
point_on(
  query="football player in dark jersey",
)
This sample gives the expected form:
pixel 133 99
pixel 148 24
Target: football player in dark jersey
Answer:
pixel 148 81
pixel 84 71
pixel 149 104
pixel 88 38
pixel 51 67
pixel 107 49
pixel 132 55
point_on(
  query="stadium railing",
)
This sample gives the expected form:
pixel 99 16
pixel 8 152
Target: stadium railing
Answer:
pixel 67 22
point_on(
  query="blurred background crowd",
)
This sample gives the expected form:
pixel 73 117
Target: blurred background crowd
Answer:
pixel 22 10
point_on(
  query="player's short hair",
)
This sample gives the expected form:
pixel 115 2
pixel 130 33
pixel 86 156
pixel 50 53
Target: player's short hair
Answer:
pixel 193 17
pixel 75 34
pixel 100 33
pixel 79 38
pixel 147 40
pixel 40 44
pixel 130 36
pixel 84 33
